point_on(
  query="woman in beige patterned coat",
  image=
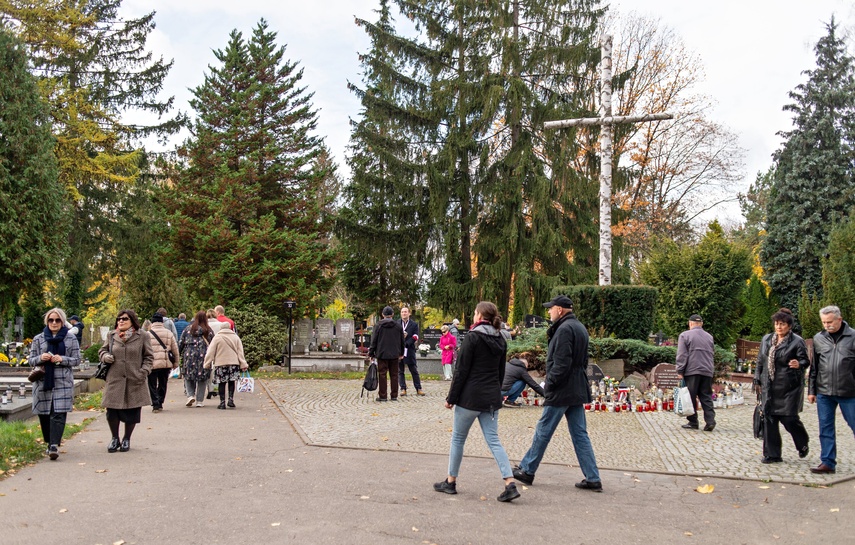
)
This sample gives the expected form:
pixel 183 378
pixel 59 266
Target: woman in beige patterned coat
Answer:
pixel 129 353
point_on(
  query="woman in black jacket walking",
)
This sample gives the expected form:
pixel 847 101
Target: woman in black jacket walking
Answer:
pixel 780 378
pixel 475 393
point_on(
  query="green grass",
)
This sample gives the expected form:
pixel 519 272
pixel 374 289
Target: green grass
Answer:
pixel 21 442
pixel 324 375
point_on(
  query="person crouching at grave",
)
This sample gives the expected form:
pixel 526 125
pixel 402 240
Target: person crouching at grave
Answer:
pixel 448 345
pixel 56 350
pixel 516 379
pixel 195 339
pixel 225 355
pixel 162 343
pixel 128 352
pixel 387 346
pixel 779 380
pixel 475 394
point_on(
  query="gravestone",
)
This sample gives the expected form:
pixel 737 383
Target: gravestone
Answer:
pixel 325 331
pixel 302 335
pixel 594 373
pixel 344 330
pixel 533 320
pixel 638 380
pixel 664 376
pixel 431 336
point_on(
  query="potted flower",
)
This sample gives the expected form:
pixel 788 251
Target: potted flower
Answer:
pixel 324 347
pixel 423 349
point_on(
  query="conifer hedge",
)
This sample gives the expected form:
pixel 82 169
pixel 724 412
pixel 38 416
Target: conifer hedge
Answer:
pixel 624 312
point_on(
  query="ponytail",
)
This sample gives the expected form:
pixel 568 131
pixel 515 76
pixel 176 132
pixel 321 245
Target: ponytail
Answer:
pixel 489 313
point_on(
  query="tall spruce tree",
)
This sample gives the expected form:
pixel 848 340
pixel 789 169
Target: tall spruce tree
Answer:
pixel 31 197
pixel 813 178
pixel 246 210
pixel 384 222
pixel 93 66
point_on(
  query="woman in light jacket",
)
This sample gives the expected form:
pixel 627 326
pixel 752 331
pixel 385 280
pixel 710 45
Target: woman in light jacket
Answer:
pixel 225 354
pixel 448 345
pixel 475 394
pixel 56 350
pixel 162 342
pixel 129 354
pixel 780 379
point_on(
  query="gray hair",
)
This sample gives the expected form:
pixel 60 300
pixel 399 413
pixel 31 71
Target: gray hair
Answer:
pixel 830 309
pixel 57 310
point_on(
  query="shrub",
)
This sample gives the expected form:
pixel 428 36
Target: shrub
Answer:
pixel 625 312
pixel 263 335
pixel 91 353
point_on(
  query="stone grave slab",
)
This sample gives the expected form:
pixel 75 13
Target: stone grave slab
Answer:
pixel 594 373
pixel 302 335
pixel 325 330
pixel 344 331
pixel 664 375
pixel 431 336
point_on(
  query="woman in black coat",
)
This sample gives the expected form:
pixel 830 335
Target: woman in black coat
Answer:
pixel 779 380
pixel 475 393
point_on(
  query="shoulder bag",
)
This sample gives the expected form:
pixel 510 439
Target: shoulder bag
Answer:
pixel 169 353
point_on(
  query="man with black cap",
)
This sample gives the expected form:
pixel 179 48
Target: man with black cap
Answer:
pixel 567 391
pixel 695 365
pixel 387 345
pixel 75 321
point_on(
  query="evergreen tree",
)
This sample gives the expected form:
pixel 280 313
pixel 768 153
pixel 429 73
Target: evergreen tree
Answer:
pixel 838 269
pixel 246 213
pixel 813 180
pixel 31 197
pixel 759 307
pixel 707 279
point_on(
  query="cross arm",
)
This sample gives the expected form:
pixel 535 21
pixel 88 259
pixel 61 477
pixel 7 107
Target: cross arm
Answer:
pixel 611 120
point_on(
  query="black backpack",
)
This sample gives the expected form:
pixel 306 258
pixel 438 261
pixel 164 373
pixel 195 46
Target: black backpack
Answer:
pixel 371 379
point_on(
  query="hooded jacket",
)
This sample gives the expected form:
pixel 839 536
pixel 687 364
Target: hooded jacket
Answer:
pixel 477 382
pixel 515 370
pixel 566 382
pixel 387 340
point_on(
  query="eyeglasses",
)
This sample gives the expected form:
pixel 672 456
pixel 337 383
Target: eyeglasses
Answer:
pixel 54 320
pixel 122 319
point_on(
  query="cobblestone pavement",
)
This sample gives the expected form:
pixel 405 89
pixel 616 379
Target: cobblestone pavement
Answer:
pixel 331 413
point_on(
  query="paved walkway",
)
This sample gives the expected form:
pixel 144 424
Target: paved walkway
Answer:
pixel 204 476
pixel 329 414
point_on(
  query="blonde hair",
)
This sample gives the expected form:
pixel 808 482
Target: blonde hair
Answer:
pixel 210 313
pixel 445 329
pixel 57 310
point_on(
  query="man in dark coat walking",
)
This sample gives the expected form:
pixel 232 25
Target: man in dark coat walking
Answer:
pixel 567 391
pixel 411 337
pixel 387 345
pixel 695 352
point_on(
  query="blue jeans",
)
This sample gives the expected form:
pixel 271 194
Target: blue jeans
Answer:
pixel 489 421
pixel 546 426
pixel 515 391
pixel 826 406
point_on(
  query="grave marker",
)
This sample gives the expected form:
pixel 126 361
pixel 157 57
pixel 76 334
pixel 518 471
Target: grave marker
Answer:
pixel 664 376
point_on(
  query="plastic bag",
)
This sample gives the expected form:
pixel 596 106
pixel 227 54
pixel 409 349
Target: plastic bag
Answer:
pixel 175 373
pixel 683 405
pixel 246 384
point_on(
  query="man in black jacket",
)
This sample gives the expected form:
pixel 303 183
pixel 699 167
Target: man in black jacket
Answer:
pixel 411 337
pixel 387 345
pixel 832 382
pixel 567 391
pixel 516 378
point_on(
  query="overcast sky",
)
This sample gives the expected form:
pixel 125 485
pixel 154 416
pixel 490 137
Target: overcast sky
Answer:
pixel 753 53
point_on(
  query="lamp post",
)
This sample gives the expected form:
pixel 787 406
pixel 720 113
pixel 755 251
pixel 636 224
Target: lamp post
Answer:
pixel 289 305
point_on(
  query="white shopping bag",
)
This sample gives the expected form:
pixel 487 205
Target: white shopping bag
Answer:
pixel 246 383
pixel 683 402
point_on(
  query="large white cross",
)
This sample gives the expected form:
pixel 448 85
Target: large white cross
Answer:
pixel 606 137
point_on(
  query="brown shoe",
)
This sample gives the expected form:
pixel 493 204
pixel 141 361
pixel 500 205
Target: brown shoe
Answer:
pixel 419 392
pixel 402 393
pixel 822 468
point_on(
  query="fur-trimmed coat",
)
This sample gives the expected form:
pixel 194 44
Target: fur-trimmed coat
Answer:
pixel 127 380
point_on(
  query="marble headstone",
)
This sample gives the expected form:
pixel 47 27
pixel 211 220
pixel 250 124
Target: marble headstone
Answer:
pixel 664 376
pixel 302 335
pixel 344 330
pixel 325 330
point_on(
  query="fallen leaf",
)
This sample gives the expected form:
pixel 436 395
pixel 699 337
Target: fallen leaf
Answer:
pixel 81 463
pixel 689 534
pixel 275 523
pixel 120 542
pixel 628 474
pixel 415 529
pixel 289 471
pixel 63 510
pixel 2 494
pixel 698 479
pixel 776 537
pixel 238 458
pixel 835 509
pixel 705 489
pixel 384 438
pixel 101 471
pixel 375 414
pixel 764 487
pixel 363 497
pixel 483 498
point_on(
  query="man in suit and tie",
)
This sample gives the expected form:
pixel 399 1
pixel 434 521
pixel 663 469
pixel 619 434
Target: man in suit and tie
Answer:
pixel 411 337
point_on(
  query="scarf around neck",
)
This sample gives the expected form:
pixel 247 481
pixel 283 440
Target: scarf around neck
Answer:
pixel 56 346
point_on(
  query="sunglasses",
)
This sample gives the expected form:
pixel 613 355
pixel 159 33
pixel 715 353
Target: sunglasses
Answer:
pixel 122 319
pixel 54 320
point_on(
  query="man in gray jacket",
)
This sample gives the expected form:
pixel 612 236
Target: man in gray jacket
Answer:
pixel 695 350
pixel 832 382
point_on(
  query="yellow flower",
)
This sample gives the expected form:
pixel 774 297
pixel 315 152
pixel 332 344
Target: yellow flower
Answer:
pixel 4 358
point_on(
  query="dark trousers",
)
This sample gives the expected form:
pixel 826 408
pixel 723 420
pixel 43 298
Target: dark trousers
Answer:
pixel 414 370
pixel 157 380
pixel 53 426
pixel 387 367
pixel 700 388
pixel 772 433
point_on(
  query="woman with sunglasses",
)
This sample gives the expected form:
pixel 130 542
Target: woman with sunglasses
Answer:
pixel 128 352
pixel 56 351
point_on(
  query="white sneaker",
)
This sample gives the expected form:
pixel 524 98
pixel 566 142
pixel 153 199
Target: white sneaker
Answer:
pixel 190 401
pixel 200 404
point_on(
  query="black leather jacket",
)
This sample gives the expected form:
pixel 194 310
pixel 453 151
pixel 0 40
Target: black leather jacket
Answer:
pixel 833 370
pixel 783 396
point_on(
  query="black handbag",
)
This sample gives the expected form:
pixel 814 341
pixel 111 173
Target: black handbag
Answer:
pixel 758 421
pixel 104 368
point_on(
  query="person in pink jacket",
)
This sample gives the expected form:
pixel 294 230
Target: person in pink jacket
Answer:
pixel 448 345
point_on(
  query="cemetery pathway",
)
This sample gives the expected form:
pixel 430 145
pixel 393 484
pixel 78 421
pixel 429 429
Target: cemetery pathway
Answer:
pixel 201 475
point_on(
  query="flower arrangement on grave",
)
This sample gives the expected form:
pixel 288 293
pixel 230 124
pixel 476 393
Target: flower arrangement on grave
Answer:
pixel 324 347
pixel 423 349
pixel 4 358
